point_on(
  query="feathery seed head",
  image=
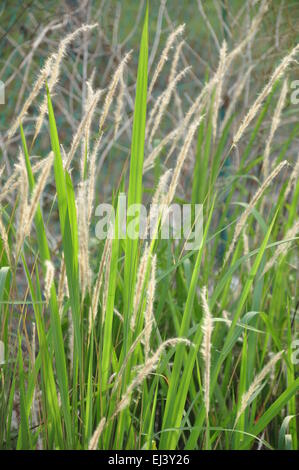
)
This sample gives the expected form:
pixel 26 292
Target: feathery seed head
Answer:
pixel 49 278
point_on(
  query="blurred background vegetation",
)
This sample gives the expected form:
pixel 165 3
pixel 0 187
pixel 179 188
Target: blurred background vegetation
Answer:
pixel 30 30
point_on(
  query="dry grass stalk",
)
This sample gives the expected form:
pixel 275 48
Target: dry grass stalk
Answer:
pixel 118 314
pixel 195 109
pixel 181 159
pixel 23 205
pixel 27 211
pixel 83 128
pixel 218 93
pixel 91 180
pixel 4 237
pixel 278 73
pixel 250 33
pixel 62 281
pixel 240 225
pixel 282 249
pixel 149 162
pixel 174 63
pixel 207 328
pixel 164 56
pixel 119 105
pixel 87 104
pixel 149 311
pixel 93 443
pixel 111 90
pixel 145 370
pixel 158 204
pixel 208 24
pixel 161 104
pixel 274 126
pixel 293 179
pixel 126 360
pixel 202 100
pixel 256 383
pixel 161 190
pixel 2 353
pixel 55 70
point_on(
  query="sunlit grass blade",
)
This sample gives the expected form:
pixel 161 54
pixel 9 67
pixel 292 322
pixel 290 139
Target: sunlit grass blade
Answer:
pixel 136 168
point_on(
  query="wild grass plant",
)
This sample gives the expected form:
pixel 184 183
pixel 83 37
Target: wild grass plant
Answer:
pixel 141 344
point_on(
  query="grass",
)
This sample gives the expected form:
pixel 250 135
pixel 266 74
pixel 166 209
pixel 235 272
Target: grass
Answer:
pixel 207 363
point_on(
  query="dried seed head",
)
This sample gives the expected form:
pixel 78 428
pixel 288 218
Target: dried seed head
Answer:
pixel 161 104
pixel 149 311
pixel 23 204
pixel 139 285
pixel 208 24
pixel 274 126
pixel 49 278
pixel 164 56
pixel 207 327
pixel 158 205
pixel 97 288
pixel 112 88
pixel 282 249
pixel 241 223
pixel 256 383
pixel 35 91
pixel 174 64
pixel 27 211
pixel 12 183
pixel 235 97
pixel 37 192
pixel 133 346
pixel 145 370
